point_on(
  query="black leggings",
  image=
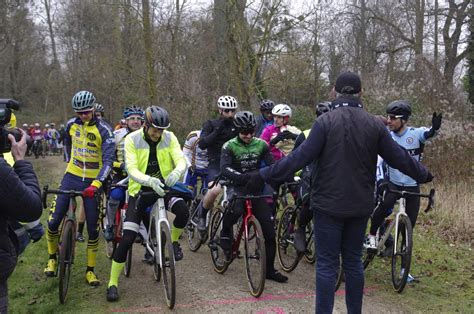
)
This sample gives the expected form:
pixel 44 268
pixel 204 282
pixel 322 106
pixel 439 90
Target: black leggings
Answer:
pixel 263 213
pixel 381 211
pixel 136 213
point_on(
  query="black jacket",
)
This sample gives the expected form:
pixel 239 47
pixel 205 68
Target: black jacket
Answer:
pixel 20 194
pixel 213 136
pixel 345 142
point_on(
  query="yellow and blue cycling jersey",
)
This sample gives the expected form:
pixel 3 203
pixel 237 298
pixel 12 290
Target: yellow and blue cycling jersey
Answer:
pixel 90 148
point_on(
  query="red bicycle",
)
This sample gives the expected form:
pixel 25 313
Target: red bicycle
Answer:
pixel 250 230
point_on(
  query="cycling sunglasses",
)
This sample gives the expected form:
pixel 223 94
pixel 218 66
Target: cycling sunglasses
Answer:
pixel 83 113
pixel 229 110
pixel 247 131
pixel 394 117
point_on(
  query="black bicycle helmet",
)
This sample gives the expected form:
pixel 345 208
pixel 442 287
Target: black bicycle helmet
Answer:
pixel 244 120
pixel 323 107
pixel 266 105
pixel 399 108
pixel 157 117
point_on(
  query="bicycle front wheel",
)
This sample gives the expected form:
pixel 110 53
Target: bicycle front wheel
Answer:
pixel 156 250
pixel 217 254
pixel 310 254
pixel 66 257
pixel 286 251
pixel 401 258
pixel 194 238
pixel 168 267
pixel 255 261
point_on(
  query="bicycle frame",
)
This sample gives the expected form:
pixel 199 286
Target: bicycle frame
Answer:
pixel 159 213
pixel 393 224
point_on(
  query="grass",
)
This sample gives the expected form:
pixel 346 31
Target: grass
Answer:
pixel 443 263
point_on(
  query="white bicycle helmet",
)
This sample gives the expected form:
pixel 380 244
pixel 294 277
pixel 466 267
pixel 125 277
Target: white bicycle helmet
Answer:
pixel 282 110
pixel 227 102
pixel 46 125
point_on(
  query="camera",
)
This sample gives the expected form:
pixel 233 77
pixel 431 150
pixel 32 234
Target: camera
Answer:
pixel 6 107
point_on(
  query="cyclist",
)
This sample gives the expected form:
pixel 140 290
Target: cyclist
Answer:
pixel 37 136
pixel 134 117
pixel 214 134
pixel 266 117
pixel 53 136
pixel 153 158
pixel 99 111
pixel 413 140
pixel 280 136
pixel 196 160
pixel 306 214
pixel 240 155
pixel 90 147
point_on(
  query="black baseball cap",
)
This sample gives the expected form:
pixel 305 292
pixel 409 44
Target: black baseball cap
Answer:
pixel 348 83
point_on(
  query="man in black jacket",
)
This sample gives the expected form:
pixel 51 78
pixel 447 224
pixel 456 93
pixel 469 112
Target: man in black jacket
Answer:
pixel 345 143
pixel 213 136
pixel 21 200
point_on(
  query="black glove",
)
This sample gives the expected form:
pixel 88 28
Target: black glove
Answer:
pixel 280 137
pixel 289 136
pixel 255 182
pixel 429 178
pixel 436 121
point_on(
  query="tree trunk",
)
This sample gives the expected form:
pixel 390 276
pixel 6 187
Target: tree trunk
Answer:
pixel 151 83
pixel 419 32
pixel 221 30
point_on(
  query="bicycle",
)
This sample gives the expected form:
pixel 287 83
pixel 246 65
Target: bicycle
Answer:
pixel 287 254
pixel 196 238
pixel 67 239
pixel 250 230
pixel 401 230
pixel 159 245
pixel 111 246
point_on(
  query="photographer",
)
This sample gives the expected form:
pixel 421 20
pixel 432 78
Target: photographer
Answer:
pixel 20 195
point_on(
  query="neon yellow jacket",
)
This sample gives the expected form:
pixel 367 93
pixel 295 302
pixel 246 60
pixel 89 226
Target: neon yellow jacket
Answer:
pixel 137 151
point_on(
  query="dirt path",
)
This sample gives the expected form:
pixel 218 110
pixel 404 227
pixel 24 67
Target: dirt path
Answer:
pixel 201 289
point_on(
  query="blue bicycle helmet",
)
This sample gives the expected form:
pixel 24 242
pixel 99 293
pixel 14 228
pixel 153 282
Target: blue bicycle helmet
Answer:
pixel 83 101
pixel 133 110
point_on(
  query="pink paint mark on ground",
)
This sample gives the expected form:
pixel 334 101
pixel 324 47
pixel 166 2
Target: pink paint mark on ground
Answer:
pixel 276 310
pixel 263 298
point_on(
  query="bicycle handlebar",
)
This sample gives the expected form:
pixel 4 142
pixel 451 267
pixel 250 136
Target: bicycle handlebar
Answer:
pixel 47 190
pixel 430 196
pixel 249 197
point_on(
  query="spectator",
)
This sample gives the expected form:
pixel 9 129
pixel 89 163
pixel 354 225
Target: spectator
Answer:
pixel 343 145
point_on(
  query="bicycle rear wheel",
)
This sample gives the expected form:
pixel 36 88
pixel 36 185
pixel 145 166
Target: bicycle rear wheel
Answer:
pixel 168 267
pixel 401 258
pixel 194 237
pixel 286 252
pixel 66 258
pixel 255 261
pixel 128 262
pixel 217 254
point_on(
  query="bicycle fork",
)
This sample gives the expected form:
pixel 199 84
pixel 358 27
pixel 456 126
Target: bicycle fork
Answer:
pixel 159 211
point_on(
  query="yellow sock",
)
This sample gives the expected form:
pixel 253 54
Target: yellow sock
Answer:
pixel 115 271
pixel 175 233
pixel 52 239
pixel 92 246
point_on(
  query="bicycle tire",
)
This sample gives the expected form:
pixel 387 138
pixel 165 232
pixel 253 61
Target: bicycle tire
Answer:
pixel 310 254
pixel 168 267
pixel 194 238
pixel 402 250
pixel 66 258
pixel 156 250
pixel 256 252
pixel 286 252
pixel 217 254
pixel 128 262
